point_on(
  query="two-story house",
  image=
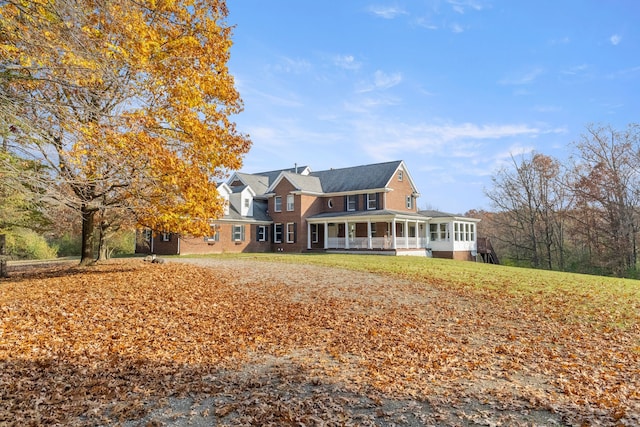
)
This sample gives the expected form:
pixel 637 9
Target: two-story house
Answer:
pixel 364 209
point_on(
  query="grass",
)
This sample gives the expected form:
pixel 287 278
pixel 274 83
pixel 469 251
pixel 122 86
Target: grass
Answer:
pixel 597 300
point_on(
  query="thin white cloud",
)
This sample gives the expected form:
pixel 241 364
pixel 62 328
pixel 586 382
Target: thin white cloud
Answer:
pixel 348 62
pixel 461 6
pixel 457 28
pixel 547 108
pixel 293 66
pixel 560 41
pixel 381 81
pixel 578 69
pixel 523 78
pixel 385 139
pixel 615 39
pixel 387 12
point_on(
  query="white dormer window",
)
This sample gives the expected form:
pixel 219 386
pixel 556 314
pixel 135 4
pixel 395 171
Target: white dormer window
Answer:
pixel 290 202
pixel 246 203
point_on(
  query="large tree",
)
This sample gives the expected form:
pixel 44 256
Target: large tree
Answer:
pixel 606 183
pixel 128 104
pixel 530 200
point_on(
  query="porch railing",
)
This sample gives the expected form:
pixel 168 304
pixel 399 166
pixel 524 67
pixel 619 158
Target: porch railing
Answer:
pixel 377 243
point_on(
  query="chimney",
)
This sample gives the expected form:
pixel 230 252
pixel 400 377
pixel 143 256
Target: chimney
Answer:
pixel 295 165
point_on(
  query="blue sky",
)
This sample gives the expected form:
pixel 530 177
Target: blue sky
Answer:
pixel 452 87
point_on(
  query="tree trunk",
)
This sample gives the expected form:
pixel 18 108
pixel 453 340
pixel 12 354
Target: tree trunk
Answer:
pixel 88 215
pixel 103 253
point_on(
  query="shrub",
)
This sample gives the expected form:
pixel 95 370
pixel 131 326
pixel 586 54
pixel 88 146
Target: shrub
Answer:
pixel 27 244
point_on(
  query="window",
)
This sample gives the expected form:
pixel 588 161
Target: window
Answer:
pixel 472 228
pixel 238 233
pixel 433 231
pixel 351 203
pixel 412 230
pixel 409 202
pixel 290 202
pixel 373 229
pixel 291 232
pixel 400 175
pixel 456 231
pixel 246 203
pixel 466 232
pixel 277 204
pixel 372 201
pixel 261 233
pixel 277 233
pixel 314 233
pixel 147 233
pixel 215 234
pixel 166 237
pixel 330 203
pixel 444 231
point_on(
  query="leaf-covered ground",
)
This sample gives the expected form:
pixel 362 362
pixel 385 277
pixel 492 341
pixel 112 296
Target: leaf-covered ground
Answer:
pixel 245 342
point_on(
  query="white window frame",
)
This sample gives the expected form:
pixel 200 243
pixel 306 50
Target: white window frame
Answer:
pixel 472 228
pixel 290 202
pixel 444 231
pixel 409 202
pixel 291 232
pixel 277 204
pixel 165 236
pixel 277 234
pixel 262 231
pixel 351 200
pixel 314 233
pixel 434 232
pixel 239 231
pixel 215 235
pixel 400 175
pixel 246 203
pixel 371 197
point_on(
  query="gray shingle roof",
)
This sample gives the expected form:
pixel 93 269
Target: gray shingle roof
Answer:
pixel 366 177
pixel 304 182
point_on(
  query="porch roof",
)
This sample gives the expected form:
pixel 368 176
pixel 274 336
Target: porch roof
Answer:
pixel 379 215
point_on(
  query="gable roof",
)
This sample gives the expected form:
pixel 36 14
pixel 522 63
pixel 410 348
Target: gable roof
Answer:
pixel 357 178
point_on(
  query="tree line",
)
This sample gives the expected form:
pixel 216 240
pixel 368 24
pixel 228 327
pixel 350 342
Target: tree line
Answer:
pixel 582 215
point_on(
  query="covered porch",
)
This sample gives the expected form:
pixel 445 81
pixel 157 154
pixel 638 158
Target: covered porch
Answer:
pixel 379 231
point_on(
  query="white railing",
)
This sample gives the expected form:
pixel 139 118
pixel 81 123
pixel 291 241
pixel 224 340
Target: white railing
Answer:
pixel 377 243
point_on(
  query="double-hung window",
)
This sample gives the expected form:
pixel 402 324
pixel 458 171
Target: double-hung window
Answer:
pixel 409 202
pixel 277 233
pixel 291 232
pixel 238 233
pixel 261 233
pixel 351 202
pixel 290 202
pixel 215 234
pixel 314 233
pixel 277 204
pixel 372 201
pixel 166 237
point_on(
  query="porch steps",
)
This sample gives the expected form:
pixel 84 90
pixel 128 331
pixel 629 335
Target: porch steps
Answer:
pixel 486 251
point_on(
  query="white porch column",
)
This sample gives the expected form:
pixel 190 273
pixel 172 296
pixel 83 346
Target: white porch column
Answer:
pixel 406 233
pixel 393 234
pixel 369 246
pixel 308 235
pixel 417 235
pixel 326 235
pixel 346 235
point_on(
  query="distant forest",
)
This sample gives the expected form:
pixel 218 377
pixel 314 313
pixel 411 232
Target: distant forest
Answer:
pixel 582 216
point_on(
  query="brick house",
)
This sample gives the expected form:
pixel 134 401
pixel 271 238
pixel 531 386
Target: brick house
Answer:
pixel 364 209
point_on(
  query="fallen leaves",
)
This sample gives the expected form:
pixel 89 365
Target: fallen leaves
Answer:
pixel 265 343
